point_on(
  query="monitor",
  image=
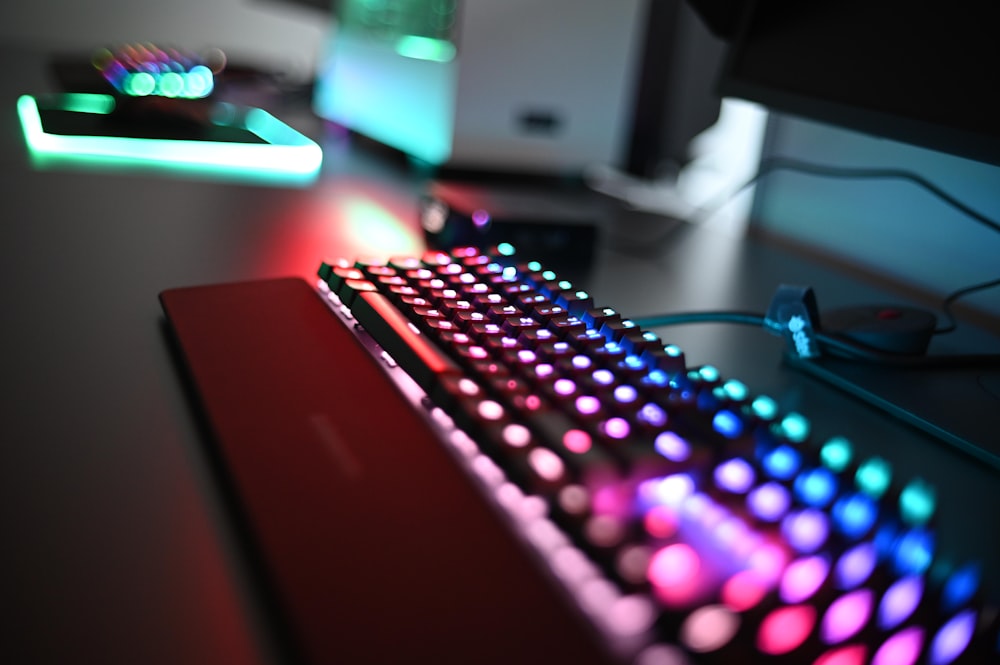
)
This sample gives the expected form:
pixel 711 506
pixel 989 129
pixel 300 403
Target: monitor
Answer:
pixel 921 73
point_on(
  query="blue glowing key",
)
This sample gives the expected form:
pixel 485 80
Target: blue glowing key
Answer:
pixel 634 362
pixel 854 515
pixel 960 588
pixel 782 462
pixel 728 424
pixel 913 552
pixel 657 377
pixel 816 487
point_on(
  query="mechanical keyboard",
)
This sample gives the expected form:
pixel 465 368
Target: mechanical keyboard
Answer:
pixel 462 457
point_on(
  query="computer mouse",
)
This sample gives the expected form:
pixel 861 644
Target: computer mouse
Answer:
pixel 893 329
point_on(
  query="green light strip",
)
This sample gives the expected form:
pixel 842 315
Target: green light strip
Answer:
pixel 286 154
pixel 425 48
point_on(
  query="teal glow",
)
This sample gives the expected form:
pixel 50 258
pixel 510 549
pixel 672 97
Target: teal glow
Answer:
pixel 873 477
pixel 795 427
pixel 709 373
pixel 836 454
pixel 425 48
pixel 917 502
pixel 505 249
pixel 139 84
pixel 85 102
pixel 764 407
pixel 199 82
pixel 735 390
pixel 285 157
pixel 172 84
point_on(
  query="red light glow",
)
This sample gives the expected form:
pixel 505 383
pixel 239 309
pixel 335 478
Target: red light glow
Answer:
pixel 344 216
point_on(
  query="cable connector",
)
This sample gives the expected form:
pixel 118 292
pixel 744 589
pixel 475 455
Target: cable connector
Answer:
pixel 793 314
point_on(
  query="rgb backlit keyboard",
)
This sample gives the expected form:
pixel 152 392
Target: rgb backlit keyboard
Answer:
pixel 691 520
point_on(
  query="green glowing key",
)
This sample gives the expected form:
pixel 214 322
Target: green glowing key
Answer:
pixel 836 454
pixel 873 477
pixel 917 502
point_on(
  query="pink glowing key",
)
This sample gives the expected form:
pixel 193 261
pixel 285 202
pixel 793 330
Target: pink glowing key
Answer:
pixel 709 628
pixel 846 616
pixel 903 648
pixel 588 405
pixel 564 386
pixel 734 475
pixel 803 578
pixel 617 428
pixel 785 629
pixel 674 565
pixel 744 590
pixel 577 441
pixel 546 464
pixel 660 522
pixel 516 436
pixel 900 601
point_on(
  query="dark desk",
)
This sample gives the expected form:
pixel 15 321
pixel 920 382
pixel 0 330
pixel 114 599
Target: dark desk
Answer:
pixel 118 547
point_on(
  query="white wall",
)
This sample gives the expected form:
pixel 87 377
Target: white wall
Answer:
pixel 281 34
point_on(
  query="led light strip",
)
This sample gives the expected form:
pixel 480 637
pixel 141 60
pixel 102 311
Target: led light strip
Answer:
pixel 285 154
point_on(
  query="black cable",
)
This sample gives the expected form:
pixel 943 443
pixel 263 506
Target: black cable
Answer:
pixel 744 318
pixel 836 346
pixel 955 295
pixel 840 346
pixel 770 164
pixel 864 173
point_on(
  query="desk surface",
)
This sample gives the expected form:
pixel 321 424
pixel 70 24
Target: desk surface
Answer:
pixel 117 540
